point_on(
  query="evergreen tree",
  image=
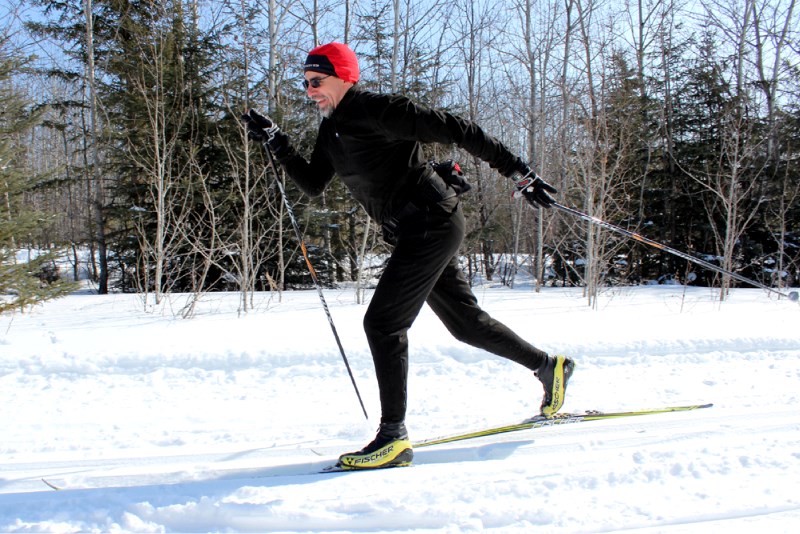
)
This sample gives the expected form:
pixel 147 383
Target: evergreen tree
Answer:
pixel 66 23
pixel 702 97
pixel 630 137
pixel 163 148
pixel 24 281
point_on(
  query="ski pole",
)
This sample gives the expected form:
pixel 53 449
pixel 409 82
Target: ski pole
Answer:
pixel 314 276
pixel 793 296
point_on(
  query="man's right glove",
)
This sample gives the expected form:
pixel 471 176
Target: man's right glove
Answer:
pixel 263 129
pixel 535 190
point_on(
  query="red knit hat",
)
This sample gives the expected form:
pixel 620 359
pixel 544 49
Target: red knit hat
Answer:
pixel 335 59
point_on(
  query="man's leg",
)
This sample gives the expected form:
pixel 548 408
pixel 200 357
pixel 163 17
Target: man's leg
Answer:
pixel 454 303
pixel 423 250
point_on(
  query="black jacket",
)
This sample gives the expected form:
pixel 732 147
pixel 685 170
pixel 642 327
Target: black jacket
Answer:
pixel 374 143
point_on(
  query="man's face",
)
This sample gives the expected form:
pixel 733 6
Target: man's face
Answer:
pixel 327 91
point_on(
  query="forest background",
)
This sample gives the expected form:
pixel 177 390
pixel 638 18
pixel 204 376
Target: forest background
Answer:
pixel 122 150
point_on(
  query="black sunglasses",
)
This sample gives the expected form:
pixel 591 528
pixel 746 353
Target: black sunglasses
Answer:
pixel 314 82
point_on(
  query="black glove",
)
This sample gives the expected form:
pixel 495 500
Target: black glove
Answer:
pixel 452 174
pixel 264 130
pixel 535 190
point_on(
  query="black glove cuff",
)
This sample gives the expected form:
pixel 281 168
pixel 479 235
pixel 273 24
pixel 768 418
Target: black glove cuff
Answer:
pixel 525 177
pixel 279 143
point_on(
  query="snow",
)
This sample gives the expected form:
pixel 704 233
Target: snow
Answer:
pixel 151 423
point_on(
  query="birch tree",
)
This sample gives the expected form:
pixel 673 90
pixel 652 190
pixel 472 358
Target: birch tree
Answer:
pixel 733 184
pixel 474 34
pixel 542 30
pixel 610 116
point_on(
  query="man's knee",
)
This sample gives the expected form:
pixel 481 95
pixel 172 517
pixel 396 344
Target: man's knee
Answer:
pixel 381 326
pixel 377 324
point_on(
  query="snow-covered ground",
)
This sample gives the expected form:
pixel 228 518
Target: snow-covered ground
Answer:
pixel 150 423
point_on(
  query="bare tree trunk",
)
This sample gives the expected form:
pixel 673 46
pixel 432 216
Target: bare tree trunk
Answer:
pixel 774 31
pixel 531 113
pixel 314 22
pixel 99 189
pixel 585 11
pixel 156 159
pixel 273 57
pixel 346 32
pixel 361 280
pixel 476 26
pixel 565 98
pixel 396 36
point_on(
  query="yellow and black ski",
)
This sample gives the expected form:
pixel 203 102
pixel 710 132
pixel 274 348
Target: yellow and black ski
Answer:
pixel 538 421
pixel 558 419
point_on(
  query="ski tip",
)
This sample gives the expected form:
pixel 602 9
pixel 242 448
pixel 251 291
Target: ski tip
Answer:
pixel 339 468
pixel 51 485
pixel 335 468
pixel 565 416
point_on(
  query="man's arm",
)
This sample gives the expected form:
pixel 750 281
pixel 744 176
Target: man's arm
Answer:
pixel 312 177
pixel 426 125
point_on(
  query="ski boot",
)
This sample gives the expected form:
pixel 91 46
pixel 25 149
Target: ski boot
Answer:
pixel 554 373
pixel 390 448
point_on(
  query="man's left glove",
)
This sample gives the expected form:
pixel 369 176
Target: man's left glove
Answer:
pixel 264 129
pixel 451 173
pixel 535 190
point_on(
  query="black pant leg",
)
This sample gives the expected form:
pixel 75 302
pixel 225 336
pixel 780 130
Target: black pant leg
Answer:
pixel 424 267
pixel 455 304
pixel 424 247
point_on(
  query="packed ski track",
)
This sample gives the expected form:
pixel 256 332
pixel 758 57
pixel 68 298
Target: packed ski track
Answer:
pixel 120 417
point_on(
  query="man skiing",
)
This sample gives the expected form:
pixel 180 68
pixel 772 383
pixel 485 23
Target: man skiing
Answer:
pixel 373 142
